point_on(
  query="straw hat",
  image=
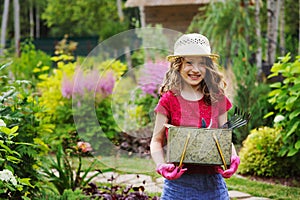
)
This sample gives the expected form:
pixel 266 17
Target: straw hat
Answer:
pixel 193 44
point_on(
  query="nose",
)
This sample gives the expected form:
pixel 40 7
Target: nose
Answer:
pixel 197 67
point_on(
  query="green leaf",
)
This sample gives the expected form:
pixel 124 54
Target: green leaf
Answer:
pixel 297 145
pixel 14 129
pixel 294 114
pixel 292 130
pixel 268 115
pixel 5 147
pixel 13 159
pixel 9 131
pixel 277 67
pixel 272 75
pixel 295 69
pixel 292 152
pixel 295 88
pixel 276 85
pixel 286 58
pixel 4 130
pixel 5 65
pixel 291 100
pixel 275 92
pixel 26 181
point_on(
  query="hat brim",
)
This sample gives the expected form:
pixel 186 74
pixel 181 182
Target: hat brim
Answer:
pixel 214 57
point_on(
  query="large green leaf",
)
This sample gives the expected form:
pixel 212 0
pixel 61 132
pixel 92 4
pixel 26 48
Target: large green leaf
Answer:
pixel 292 130
pixel 297 145
pixel 294 114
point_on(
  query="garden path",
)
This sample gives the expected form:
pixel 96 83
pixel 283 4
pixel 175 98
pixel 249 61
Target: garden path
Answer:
pixel 155 185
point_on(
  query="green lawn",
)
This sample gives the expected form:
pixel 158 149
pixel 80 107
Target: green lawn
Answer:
pixel 261 189
pixel 146 166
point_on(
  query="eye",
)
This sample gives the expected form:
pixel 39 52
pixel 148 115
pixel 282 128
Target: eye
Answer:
pixel 189 63
pixel 202 63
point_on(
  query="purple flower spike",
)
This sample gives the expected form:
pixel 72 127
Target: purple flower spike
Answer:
pixel 152 76
pixel 67 87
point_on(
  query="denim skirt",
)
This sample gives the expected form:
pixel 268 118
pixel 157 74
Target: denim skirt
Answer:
pixel 195 187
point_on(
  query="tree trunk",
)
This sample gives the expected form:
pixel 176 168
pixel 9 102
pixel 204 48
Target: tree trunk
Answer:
pixel 282 24
pixel 4 25
pixel 129 64
pixel 31 21
pixel 17 25
pixel 273 7
pixel 258 55
pixel 37 22
pixel 120 11
pixel 142 16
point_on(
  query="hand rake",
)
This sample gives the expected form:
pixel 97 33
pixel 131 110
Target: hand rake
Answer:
pixel 238 119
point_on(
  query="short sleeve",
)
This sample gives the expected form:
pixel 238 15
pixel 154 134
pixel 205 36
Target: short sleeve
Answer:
pixel 224 105
pixel 163 105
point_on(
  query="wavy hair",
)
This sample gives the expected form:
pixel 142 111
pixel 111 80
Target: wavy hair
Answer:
pixel 212 86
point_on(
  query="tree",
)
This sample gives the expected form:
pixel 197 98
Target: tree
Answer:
pixel 258 55
pixel 17 25
pixel 4 25
pixel 229 26
pixel 31 20
pixel 281 29
pixel 79 18
pixel 273 7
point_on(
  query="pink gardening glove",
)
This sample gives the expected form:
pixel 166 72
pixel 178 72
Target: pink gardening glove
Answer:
pixel 169 171
pixel 235 161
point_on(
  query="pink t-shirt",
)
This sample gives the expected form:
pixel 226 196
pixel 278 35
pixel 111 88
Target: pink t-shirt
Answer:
pixel 182 112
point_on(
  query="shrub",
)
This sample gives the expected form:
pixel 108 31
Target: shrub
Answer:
pixel 30 64
pixel 63 174
pixel 285 98
pixel 18 108
pixel 259 155
pixel 10 185
pixel 71 93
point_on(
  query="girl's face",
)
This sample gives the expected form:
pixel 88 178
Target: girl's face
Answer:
pixel 193 70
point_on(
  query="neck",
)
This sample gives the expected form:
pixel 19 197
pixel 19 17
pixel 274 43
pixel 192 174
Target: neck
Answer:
pixel 191 93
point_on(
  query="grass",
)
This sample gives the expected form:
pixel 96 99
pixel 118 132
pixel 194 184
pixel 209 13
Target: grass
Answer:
pixel 262 189
pixel 146 166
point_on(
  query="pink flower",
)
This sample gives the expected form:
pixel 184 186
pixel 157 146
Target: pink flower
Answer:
pixel 91 79
pixel 79 82
pixel 87 83
pixel 67 87
pixel 84 146
pixel 106 84
pixel 152 77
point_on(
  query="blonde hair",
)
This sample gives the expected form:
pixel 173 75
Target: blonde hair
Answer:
pixel 212 86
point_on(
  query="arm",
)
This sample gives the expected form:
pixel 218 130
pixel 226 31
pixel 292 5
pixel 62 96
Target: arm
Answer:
pixel 156 145
pixel 169 171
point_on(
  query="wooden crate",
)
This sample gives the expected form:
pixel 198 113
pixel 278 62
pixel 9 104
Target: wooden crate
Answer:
pixel 201 146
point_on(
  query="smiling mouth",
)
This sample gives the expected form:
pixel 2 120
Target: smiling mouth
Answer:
pixel 192 76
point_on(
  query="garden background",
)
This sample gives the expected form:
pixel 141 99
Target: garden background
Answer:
pixel 48 142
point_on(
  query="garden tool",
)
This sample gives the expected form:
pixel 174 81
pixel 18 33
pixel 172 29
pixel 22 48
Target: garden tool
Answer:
pixel 220 150
pixel 203 123
pixel 238 119
pixel 184 151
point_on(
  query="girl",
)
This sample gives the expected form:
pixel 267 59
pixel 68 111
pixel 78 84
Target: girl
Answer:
pixel 192 91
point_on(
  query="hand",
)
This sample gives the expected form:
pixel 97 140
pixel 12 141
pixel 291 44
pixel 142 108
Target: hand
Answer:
pixel 235 161
pixel 169 171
